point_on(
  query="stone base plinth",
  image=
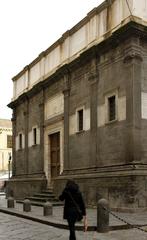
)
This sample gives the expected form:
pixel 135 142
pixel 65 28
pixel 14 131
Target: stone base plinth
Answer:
pixel 125 190
pixel 24 187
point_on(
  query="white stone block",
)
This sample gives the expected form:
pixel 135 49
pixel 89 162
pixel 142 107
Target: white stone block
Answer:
pixel 122 108
pixel 139 9
pixel 101 115
pixel 144 105
pixel 72 124
pixel 35 74
pixel 54 106
pixel 78 41
pixel 52 60
pixel 87 119
pixel 20 85
pixel 93 30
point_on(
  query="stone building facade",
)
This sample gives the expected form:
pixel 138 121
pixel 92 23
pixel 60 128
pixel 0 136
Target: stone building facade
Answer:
pixel 5 144
pixel 79 110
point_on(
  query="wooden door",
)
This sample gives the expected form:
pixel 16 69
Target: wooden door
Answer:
pixel 55 154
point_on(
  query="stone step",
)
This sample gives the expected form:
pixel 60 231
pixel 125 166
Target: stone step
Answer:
pixel 44 195
pixel 41 204
pixel 48 191
pixel 40 199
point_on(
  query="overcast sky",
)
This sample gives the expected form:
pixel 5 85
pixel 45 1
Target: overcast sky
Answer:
pixel 28 27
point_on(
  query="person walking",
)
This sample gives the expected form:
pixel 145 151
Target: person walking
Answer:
pixel 74 207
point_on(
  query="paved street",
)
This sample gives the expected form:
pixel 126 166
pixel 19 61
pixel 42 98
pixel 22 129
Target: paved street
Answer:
pixel 15 228
pixel 20 229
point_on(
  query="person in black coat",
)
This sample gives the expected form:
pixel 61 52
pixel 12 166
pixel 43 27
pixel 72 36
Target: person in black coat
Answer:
pixel 73 206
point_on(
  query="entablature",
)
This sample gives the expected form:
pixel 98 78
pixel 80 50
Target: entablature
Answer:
pixel 98 25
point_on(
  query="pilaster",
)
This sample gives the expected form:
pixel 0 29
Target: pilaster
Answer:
pixel 41 106
pixel 66 92
pixel 26 122
pixel 93 81
pixel 13 143
pixel 133 74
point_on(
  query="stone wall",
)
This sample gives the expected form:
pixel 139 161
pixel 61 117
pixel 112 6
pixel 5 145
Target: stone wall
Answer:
pixel 115 169
pixel 124 193
pixel 144 105
pixel 107 158
pixel 35 151
pixel 22 188
pixel 20 164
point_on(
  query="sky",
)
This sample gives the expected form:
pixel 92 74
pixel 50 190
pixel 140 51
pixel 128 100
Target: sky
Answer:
pixel 28 27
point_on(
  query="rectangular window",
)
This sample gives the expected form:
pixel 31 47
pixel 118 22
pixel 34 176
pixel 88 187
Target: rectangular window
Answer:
pixel 80 120
pixel 9 141
pixel 20 141
pixel 111 108
pixel 34 136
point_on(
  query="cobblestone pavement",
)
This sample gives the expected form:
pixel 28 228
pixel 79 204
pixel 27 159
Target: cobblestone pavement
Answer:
pixel 19 228
pixel 132 218
pixel 15 228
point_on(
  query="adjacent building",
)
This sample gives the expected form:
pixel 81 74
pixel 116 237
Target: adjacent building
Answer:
pixel 80 110
pixel 5 144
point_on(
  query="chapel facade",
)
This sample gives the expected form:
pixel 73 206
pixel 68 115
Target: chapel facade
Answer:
pixel 79 110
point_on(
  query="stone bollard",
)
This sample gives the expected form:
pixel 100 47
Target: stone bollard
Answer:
pixel 47 209
pixel 10 202
pixel 27 205
pixel 102 216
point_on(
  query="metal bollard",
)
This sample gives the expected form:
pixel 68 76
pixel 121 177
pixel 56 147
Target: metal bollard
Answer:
pixel 47 209
pixel 102 216
pixel 10 202
pixel 27 205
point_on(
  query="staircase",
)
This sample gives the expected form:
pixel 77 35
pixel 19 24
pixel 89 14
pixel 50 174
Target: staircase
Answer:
pixel 38 199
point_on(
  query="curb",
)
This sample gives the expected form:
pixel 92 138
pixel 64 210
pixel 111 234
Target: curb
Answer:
pixel 62 225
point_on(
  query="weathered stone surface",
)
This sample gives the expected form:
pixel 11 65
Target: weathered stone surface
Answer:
pixel 26 187
pixel 47 209
pixel 27 205
pixel 107 158
pixel 102 215
pixel 10 202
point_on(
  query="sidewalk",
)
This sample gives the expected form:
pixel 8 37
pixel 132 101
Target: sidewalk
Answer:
pixel 56 220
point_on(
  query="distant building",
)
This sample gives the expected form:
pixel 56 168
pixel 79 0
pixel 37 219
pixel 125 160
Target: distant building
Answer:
pixel 5 144
pixel 80 110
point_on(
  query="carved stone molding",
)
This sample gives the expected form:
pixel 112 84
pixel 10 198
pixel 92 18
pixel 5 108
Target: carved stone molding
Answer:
pixel 93 74
pixel 133 54
pixel 93 77
pixel 66 84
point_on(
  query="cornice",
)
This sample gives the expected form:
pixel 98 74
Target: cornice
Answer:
pixel 75 28
pixel 132 29
pixel 132 56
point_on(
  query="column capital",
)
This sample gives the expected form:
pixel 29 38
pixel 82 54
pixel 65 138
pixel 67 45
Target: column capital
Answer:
pixel 66 92
pixel 93 77
pixel 133 54
pixel 66 84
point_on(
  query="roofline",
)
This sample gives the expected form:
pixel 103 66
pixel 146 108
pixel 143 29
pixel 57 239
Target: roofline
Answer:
pixel 130 29
pixel 75 28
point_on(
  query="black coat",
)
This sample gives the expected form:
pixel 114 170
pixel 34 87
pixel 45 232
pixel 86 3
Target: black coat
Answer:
pixel 70 210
